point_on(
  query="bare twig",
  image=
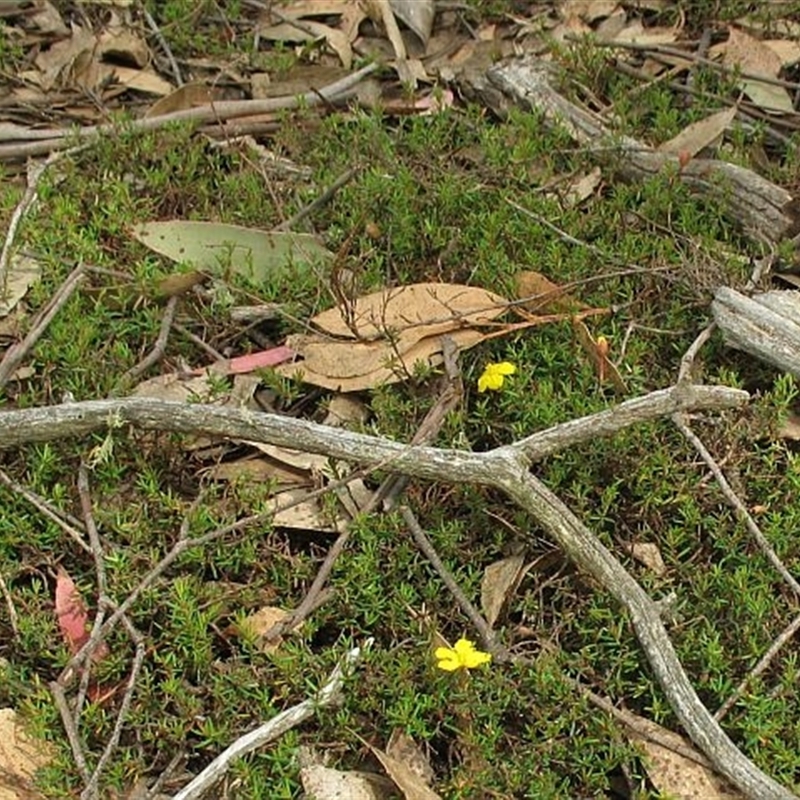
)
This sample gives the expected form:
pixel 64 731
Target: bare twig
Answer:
pixel 738 506
pixel 785 635
pixel 328 695
pixel 320 201
pixel 69 524
pixel 18 351
pixel 12 610
pixel 488 636
pixel 70 728
pixel 159 348
pixel 503 468
pixel 162 43
pixel 55 138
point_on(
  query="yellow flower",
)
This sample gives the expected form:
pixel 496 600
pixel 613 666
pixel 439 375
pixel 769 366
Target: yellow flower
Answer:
pixel 462 656
pixel 494 375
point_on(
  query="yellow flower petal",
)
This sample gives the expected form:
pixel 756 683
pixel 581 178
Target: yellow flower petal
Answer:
pixel 494 375
pixel 505 368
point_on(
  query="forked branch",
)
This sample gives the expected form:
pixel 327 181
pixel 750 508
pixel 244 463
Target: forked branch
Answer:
pixel 506 468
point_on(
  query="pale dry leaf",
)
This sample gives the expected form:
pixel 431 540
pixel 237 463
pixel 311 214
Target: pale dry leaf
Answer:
pixel 411 71
pixel 790 427
pixel 412 787
pixel 403 748
pixel 55 62
pixel 323 357
pixel 500 581
pixel 20 757
pixel 302 514
pixel 679 777
pixel 123 44
pixel 344 410
pixel 613 24
pixel 417 16
pixel 417 310
pixel 141 80
pixel 389 23
pixel 542 296
pixel 296 459
pixel 701 134
pixel 752 56
pixel 259 623
pixel 787 50
pixel 587 10
pixel 23 272
pixel 582 187
pixel 636 33
pixel 647 553
pixel 326 783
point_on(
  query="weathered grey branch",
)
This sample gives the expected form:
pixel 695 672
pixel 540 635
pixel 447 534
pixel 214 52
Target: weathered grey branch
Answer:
pixel 765 325
pixel 506 468
pixel 764 209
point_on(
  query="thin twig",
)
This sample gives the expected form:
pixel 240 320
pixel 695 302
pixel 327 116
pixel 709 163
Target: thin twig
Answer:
pixel 165 48
pixel 18 351
pixel 328 695
pixel 320 201
pixel 69 524
pixel 12 611
pixel 195 339
pixel 488 636
pixel 785 636
pixel 68 721
pixel 738 506
pixel 159 348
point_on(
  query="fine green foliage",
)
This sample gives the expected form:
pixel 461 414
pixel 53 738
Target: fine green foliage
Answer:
pixel 436 190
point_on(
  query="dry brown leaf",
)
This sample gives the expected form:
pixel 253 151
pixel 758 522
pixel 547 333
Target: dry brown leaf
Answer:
pixel 23 272
pixel 324 356
pixel 648 554
pixel 46 19
pixel 542 296
pixel 20 757
pixel 302 514
pixel 417 16
pixel 326 783
pixel 141 80
pixel 197 389
pixel 259 623
pixel 381 11
pixel 790 427
pixel 500 581
pixel 675 774
pixel 701 134
pixel 787 50
pixel 753 56
pixel 403 748
pixel 417 310
pixel 55 62
pixel 190 95
pixel 412 787
pixel 588 10
pixel 411 71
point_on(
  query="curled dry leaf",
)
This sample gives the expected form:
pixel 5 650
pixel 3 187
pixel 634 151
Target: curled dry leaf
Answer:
pixel 23 272
pixel 500 581
pixel 542 296
pixel 417 15
pixel 701 134
pixel 412 786
pixel 20 757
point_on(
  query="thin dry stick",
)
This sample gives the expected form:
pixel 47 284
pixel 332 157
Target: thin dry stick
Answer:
pixel 162 43
pixel 160 346
pixel 786 634
pixel 18 351
pixel 12 611
pixel 194 339
pixel 394 485
pixel 319 202
pixel 74 739
pixel 738 506
pixel 55 138
pixel 328 695
pixel 503 469
pixel 69 524
pixel 92 789
pixel 490 640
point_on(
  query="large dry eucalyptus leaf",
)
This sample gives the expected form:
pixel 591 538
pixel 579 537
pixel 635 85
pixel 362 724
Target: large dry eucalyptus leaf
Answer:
pixel 23 272
pixel 416 311
pixel 215 247
pixel 417 16
pixel 701 134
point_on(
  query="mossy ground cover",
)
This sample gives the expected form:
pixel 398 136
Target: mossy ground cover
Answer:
pixel 433 201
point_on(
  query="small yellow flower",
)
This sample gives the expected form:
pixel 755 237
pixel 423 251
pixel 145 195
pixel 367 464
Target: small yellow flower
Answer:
pixel 461 656
pixel 494 375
